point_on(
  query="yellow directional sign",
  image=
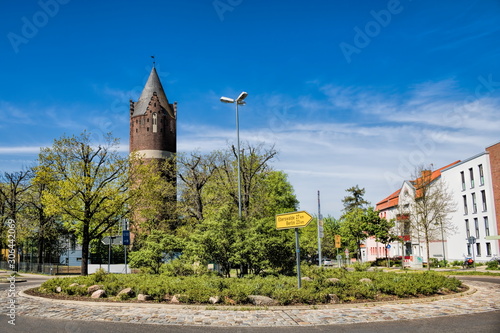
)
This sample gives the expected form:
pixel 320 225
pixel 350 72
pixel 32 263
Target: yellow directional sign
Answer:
pixel 293 220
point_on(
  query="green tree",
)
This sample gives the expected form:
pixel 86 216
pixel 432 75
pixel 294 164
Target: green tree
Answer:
pixel 225 239
pixel 14 187
pixel 195 171
pixel 87 186
pixel 430 207
pixel 355 199
pixel 152 195
pixel 154 251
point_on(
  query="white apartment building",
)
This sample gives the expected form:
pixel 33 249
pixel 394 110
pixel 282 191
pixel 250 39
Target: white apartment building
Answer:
pixel 474 184
pixel 470 182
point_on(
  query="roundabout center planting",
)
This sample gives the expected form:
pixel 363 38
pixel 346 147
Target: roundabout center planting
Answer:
pixel 319 286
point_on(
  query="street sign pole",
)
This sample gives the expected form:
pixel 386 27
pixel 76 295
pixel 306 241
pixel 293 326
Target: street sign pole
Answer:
pixel 295 221
pixel 297 250
pixel 109 255
pixel 320 231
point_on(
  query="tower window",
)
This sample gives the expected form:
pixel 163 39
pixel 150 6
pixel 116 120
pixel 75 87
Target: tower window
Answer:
pixel 155 123
pixel 136 130
pixel 148 129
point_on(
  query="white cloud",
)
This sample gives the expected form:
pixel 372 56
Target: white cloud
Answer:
pixel 344 137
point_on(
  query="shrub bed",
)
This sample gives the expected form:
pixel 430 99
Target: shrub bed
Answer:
pixel 282 289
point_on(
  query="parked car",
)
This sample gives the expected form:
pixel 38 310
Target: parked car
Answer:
pixel 327 262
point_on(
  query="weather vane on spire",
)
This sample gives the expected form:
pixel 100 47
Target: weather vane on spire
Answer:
pixel 154 62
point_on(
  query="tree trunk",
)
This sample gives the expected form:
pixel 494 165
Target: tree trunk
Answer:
pixel 428 252
pixel 85 248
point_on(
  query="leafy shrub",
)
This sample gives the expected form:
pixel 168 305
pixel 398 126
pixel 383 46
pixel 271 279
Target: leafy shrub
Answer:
pixel 361 266
pixel 492 264
pixel 99 275
pixel 283 289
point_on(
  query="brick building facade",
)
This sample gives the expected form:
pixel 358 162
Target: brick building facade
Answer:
pixel 153 123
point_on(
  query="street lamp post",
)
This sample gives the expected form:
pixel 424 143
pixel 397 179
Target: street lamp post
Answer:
pixel 237 101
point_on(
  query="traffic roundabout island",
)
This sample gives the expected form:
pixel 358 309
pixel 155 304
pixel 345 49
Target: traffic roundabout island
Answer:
pixel 319 287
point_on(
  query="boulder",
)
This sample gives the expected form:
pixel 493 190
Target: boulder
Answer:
pixel 127 291
pixel 365 280
pixel 74 285
pixel 306 278
pixel 334 280
pixel 58 289
pixel 98 294
pixel 261 300
pixel 93 288
pixel 214 299
pixel 144 297
pixel 333 299
pixel 175 299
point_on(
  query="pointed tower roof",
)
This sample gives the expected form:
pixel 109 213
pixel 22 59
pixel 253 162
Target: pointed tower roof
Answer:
pixel 153 85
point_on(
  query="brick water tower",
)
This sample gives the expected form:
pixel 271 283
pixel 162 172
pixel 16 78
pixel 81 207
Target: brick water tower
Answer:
pixel 153 123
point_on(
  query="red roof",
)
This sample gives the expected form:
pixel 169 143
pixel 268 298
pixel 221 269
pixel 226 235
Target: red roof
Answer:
pixel 393 199
pixel 390 201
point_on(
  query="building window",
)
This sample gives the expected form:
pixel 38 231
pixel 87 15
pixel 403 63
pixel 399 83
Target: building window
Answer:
pixel 476 226
pixel 474 203
pixel 488 249
pixel 147 129
pixel 478 249
pixel 483 197
pixel 466 211
pixel 471 172
pixel 481 175
pixel 136 130
pixel 467 229
pixel 462 175
pixel 468 250
pixel 155 122
pixel 486 226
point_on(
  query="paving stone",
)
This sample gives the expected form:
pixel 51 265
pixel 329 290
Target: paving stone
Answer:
pixel 486 298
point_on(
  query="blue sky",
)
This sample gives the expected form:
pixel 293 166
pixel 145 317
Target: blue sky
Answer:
pixel 350 92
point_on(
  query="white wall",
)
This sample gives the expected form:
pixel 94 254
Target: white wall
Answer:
pixel 457 243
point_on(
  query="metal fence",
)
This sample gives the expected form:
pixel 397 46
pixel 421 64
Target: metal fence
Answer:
pixel 50 269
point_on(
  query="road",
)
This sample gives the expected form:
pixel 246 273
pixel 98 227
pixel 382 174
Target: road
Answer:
pixel 487 322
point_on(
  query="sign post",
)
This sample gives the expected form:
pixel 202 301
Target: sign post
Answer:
pixel 297 255
pixel 295 221
pixel 111 240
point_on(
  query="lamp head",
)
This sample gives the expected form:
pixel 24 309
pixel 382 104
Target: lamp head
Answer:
pixel 242 96
pixel 226 100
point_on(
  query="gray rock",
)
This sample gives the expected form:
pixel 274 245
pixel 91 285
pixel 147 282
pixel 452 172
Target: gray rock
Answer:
pixel 333 299
pixel 98 294
pixel 58 289
pixel 365 280
pixel 175 299
pixel 306 278
pixel 127 291
pixel 334 280
pixel 261 300
pixel 93 288
pixel 144 297
pixel 214 299
pixel 74 285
